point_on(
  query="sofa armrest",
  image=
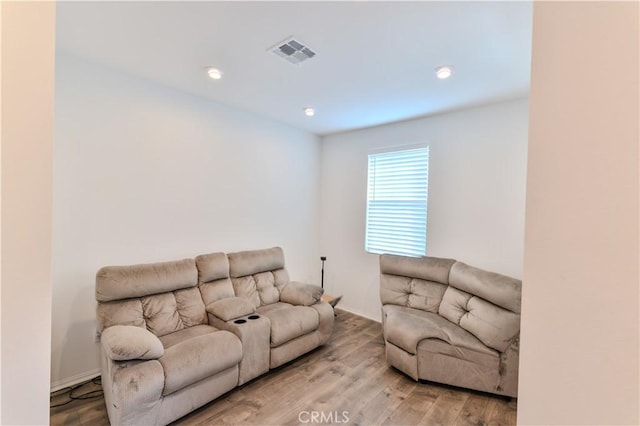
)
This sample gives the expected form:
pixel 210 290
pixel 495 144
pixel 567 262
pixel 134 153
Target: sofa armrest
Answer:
pixel 132 390
pixel 230 308
pixel 301 294
pixel 127 342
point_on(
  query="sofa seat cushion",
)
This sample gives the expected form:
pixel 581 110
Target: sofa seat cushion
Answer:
pixel 407 327
pixel 273 307
pixel 485 359
pixel 172 339
pixel 199 357
pixel 289 322
pixel 444 363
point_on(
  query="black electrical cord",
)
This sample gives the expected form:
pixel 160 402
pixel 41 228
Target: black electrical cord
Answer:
pixel 69 392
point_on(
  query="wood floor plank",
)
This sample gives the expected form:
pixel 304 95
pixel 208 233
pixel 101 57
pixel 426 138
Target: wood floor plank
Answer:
pixel 413 408
pixel 354 402
pixel 387 401
pixel 348 374
pixel 353 379
pixel 504 413
pixel 475 411
pixel 445 409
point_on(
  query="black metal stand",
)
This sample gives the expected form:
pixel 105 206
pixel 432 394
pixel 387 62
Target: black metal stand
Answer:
pixel 322 258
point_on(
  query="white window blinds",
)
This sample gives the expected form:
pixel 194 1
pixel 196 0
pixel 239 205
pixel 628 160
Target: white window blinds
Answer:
pixel 397 202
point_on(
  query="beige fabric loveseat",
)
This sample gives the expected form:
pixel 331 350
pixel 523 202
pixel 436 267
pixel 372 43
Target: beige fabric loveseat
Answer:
pixel 451 323
pixel 176 335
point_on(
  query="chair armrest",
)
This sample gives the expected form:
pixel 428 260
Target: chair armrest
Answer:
pixel 231 308
pixel 127 342
pixel 301 294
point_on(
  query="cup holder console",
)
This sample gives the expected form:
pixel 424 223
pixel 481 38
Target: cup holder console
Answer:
pixel 243 321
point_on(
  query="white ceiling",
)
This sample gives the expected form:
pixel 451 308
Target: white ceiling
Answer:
pixel 374 61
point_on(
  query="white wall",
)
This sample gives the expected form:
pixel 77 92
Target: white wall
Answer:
pixel 579 343
pixel 144 173
pixel 28 46
pixel 477 173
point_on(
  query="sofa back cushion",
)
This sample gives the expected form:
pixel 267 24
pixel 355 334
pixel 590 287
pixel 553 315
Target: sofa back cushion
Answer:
pixel 484 303
pixel 414 282
pixel 257 275
pixel 125 282
pixel 120 312
pixel 162 297
pixel 213 277
pixel 498 289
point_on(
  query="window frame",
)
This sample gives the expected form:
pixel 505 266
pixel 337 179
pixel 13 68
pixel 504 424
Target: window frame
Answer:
pixel 394 149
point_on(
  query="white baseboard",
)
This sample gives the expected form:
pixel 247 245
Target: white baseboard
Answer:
pixel 74 380
pixel 355 312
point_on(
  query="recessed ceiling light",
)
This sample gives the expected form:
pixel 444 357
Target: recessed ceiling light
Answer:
pixel 214 73
pixel 443 72
pixel 309 112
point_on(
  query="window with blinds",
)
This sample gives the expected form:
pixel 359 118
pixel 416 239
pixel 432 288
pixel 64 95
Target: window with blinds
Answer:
pixel 397 202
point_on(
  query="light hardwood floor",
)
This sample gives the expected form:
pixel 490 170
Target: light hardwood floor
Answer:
pixel 347 381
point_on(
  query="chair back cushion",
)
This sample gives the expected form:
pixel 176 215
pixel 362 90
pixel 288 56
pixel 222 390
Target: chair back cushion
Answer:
pixel 257 275
pixel 498 289
pixel 162 297
pixel 415 282
pixel 125 282
pixel 213 277
pixel 484 303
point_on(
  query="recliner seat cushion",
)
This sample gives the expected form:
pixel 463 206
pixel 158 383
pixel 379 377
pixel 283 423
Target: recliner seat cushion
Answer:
pixel 173 339
pixel 440 362
pixel 407 327
pixel 199 357
pixel 264 310
pixel 290 322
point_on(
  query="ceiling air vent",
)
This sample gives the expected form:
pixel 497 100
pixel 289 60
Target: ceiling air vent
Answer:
pixel 293 51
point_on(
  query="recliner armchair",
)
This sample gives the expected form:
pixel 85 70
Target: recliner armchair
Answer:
pixel 160 357
pixel 451 323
